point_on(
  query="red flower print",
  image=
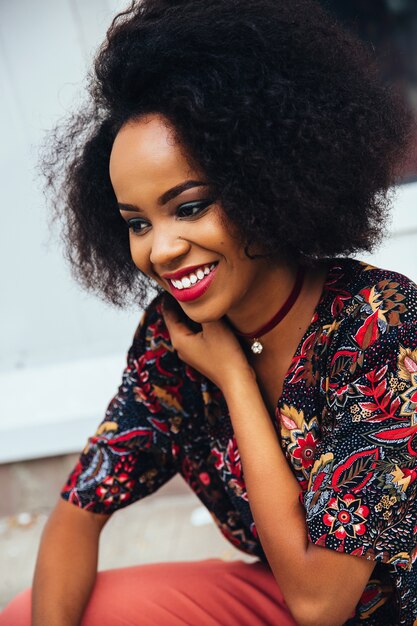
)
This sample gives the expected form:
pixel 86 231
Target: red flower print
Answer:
pixel 233 459
pixel 409 473
pixel 305 449
pixel 346 516
pixel 175 450
pixel 356 471
pixel 125 464
pixel 338 302
pixel 410 365
pixel 143 376
pixel 239 488
pixel 205 478
pixel 115 489
pixel 234 467
pixel 216 454
pixel 368 333
pixel 399 436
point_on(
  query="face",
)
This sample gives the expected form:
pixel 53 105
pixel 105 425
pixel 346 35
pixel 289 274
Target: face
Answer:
pixel 178 233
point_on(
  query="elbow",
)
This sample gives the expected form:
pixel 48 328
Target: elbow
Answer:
pixel 314 613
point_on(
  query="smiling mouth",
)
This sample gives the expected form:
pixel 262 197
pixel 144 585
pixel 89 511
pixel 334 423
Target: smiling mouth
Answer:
pixel 193 285
pixel 192 279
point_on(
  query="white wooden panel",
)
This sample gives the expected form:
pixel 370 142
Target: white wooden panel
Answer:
pixel 397 254
pixel 398 251
pixel 46 317
pixel 53 409
pixel 404 215
pixel 51 332
pixel 44 56
pixel 93 19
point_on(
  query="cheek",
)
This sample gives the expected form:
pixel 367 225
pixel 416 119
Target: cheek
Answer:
pixel 138 253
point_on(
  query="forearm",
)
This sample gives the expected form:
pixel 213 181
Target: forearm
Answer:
pixel 66 567
pixel 273 494
pixel 273 491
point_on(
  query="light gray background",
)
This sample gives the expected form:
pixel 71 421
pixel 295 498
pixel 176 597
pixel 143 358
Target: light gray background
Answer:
pixel 61 350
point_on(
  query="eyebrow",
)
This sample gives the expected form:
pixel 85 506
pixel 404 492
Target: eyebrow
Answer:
pixel 167 195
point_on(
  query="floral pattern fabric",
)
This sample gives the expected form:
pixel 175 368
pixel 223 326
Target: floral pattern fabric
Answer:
pixel 346 419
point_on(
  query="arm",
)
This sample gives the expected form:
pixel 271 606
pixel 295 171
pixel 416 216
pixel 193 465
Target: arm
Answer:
pixel 273 493
pixel 117 467
pixel 326 597
pixel 66 566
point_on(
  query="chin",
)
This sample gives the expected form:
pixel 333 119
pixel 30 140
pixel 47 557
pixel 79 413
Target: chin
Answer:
pixel 202 316
pixel 203 319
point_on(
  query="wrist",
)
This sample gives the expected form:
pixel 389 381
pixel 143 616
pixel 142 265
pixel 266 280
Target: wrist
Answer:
pixel 243 379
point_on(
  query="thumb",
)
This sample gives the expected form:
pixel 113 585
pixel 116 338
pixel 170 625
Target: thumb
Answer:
pixel 169 308
pixel 175 313
pixel 177 328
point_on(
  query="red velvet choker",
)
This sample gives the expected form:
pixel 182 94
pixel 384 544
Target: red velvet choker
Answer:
pixel 256 345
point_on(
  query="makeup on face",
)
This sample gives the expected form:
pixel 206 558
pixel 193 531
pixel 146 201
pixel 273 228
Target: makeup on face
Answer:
pixel 178 233
pixel 192 282
pixel 189 282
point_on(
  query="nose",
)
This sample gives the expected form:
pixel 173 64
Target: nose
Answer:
pixel 167 247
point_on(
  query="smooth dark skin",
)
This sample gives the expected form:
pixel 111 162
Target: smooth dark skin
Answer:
pixel 66 566
pixel 145 163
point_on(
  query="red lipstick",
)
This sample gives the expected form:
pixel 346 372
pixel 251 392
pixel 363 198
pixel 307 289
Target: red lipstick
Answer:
pixel 185 271
pixel 194 291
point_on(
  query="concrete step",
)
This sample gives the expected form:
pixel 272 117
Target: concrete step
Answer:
pixel 170 525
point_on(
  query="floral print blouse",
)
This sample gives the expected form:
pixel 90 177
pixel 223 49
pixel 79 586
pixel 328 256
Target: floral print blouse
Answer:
pixel 347 421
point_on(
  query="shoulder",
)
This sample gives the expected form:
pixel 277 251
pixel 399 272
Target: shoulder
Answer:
pixel 387 294
pixel 355 285
pixel 374 318
pixel 358 293
pixel 151 324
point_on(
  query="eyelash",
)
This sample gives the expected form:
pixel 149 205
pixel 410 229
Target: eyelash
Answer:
pixel 135 224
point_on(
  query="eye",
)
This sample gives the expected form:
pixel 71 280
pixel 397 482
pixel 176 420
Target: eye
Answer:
pixel 137 225
pixel 192 209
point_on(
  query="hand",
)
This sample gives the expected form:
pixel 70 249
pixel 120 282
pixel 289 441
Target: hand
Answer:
pixel 214 350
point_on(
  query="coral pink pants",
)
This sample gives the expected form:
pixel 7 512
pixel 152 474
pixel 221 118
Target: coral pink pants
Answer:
pixel 193 593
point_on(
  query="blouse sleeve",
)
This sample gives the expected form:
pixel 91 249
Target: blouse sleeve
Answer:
pixel 132 453
pixel 361 496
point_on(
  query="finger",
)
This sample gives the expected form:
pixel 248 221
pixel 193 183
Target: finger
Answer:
pixel 170 306
pixel 176 328
pixel 215 328
pixel 172 320
pixel 178 315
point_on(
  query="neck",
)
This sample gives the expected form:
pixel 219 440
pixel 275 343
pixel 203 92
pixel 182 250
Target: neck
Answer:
pixel 264 300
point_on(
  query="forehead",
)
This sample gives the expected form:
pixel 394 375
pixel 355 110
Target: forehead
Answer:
pixel 146 151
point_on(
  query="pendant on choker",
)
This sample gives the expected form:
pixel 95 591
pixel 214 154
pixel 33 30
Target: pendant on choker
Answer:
pixel 256 346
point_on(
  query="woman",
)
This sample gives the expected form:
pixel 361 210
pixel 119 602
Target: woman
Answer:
pixel 237 151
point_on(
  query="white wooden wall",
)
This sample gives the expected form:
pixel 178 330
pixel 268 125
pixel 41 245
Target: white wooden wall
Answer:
pixel 61 351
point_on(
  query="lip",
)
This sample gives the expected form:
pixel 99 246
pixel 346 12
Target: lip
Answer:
pixel 185 271
pixel 197 290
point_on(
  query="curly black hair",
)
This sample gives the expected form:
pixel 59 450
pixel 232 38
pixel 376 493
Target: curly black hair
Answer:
pixel 281 108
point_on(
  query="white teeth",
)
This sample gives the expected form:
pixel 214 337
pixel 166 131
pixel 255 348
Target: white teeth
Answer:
pixel 192 279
